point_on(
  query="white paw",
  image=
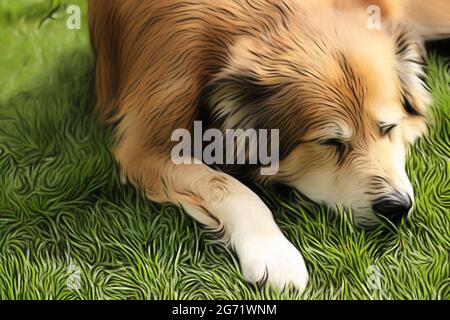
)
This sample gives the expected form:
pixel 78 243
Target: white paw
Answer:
pixel 273 260
pixel 123 179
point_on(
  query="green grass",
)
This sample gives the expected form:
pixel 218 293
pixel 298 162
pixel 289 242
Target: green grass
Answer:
pixel 63 212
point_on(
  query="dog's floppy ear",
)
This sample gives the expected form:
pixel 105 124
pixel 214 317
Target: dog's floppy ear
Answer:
pixel 245 95
pixel 238 84
pixel 411 69
pixel 411 23
pixel 241 99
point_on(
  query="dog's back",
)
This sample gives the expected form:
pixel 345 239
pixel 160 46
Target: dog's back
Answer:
pixel 171 40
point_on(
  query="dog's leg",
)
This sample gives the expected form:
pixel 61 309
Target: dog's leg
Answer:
pixel 157 94
pixel 220 202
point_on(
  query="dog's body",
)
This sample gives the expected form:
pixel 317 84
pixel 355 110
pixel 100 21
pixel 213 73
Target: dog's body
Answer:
pixel 348 102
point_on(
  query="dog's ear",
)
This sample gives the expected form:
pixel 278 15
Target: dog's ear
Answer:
pixel 244 100
pixel 230 95
pixel 411 68
pixel 238 84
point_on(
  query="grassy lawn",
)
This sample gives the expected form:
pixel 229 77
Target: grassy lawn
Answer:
pixel 70 230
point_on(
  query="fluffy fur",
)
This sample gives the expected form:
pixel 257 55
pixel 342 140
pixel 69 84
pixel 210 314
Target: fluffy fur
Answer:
pixel 348 101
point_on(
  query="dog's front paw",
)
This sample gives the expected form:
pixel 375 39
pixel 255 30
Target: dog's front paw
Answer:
pixel 273 260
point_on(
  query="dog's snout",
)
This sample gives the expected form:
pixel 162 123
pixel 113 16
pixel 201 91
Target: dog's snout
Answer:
pixel 394 207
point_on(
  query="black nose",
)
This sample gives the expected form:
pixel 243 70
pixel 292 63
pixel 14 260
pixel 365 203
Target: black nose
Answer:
pixel 394 207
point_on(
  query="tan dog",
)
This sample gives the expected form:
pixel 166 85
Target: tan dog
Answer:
pixel 348 100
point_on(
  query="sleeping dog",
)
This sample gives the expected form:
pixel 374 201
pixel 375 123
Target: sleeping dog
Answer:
pixel 347 97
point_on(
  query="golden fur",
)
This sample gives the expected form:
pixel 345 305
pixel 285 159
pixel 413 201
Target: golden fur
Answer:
pixel 348 101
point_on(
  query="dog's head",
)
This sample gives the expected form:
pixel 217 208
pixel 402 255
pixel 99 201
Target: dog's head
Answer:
pixel 349 102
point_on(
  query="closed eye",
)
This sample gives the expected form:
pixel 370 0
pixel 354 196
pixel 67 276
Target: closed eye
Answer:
pixel 338 145
pixel 387 129
pixel 332 142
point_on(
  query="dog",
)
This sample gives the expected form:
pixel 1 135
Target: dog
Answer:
pixel 348 98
